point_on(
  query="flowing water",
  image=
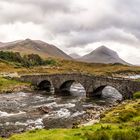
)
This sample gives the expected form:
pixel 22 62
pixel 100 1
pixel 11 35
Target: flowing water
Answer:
pixel 133 77
pixel 26 111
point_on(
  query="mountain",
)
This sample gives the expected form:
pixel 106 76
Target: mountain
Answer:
pixel 29 46
pixel 103 55
pixel 74 55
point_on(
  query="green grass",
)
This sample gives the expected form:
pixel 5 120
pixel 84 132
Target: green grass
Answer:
pixel 113 126
pixel 96 132
pixel 124 113
pixel 7 85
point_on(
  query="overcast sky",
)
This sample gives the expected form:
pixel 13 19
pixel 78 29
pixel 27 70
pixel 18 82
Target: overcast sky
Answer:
pixel 75 26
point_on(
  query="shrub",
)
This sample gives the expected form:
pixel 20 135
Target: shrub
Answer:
pixel 33 60
pixel 50 62
pixel 136 95
pixel 26 60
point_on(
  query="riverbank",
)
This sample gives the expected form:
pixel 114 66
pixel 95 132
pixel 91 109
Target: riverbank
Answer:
pixel 9 86
pixel 121 122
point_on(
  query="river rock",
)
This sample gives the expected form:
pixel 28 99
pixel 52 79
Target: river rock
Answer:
pixel 44 109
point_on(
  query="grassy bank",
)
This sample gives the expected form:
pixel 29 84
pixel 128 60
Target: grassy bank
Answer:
pixel 98 132
pixel 127 113
pixel 120 123
pixel 8 86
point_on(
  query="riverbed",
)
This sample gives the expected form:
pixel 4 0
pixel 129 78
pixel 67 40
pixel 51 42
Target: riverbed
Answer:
pixel 22 111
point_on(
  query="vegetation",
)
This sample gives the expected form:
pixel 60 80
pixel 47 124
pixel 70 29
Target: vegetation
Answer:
pixel 113 126
pixel 26 60
pixel 137 95
pixel 124 113
pixel 32 63
pixel 7 85
pixel 98 132
pixel 119 123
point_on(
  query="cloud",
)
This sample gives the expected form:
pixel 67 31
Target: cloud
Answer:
pixel 23 30
pixel 83 38
pixel 31 10
pixel 46 5
pixel 72 24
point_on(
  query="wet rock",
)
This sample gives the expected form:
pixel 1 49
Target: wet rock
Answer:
pixel 97 116
pixel 44 109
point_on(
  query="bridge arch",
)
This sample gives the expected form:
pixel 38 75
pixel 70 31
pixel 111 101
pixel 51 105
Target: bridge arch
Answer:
pixel 107 91
pixel 65 87
pixel 45 85
pixel 97 92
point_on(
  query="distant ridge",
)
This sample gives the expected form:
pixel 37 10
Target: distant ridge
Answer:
pixel 74 55
pixel 29 46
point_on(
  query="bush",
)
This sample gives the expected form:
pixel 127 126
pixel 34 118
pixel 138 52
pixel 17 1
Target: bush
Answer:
pixel 11 56
pixel 33 60
pixel 136 95
pixel 26 60
pixel 50 62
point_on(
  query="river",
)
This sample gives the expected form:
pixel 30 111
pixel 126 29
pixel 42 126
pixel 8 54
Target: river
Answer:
pixel 133 77
pixel 22 111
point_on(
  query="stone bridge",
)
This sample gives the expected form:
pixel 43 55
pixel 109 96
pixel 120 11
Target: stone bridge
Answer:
pixel 93 84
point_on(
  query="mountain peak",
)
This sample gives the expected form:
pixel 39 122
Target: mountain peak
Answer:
pixel 103 50
pixel 103 55
pixel 41 48
pixel 102 47
pixel 28 40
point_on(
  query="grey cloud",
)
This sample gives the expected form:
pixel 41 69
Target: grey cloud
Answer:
pixel 36 11
pixel 120 25
pixel 78 27
pixel 46 5
pixel 83 38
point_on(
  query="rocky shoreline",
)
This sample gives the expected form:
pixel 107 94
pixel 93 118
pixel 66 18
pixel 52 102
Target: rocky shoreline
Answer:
pixel 94 114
